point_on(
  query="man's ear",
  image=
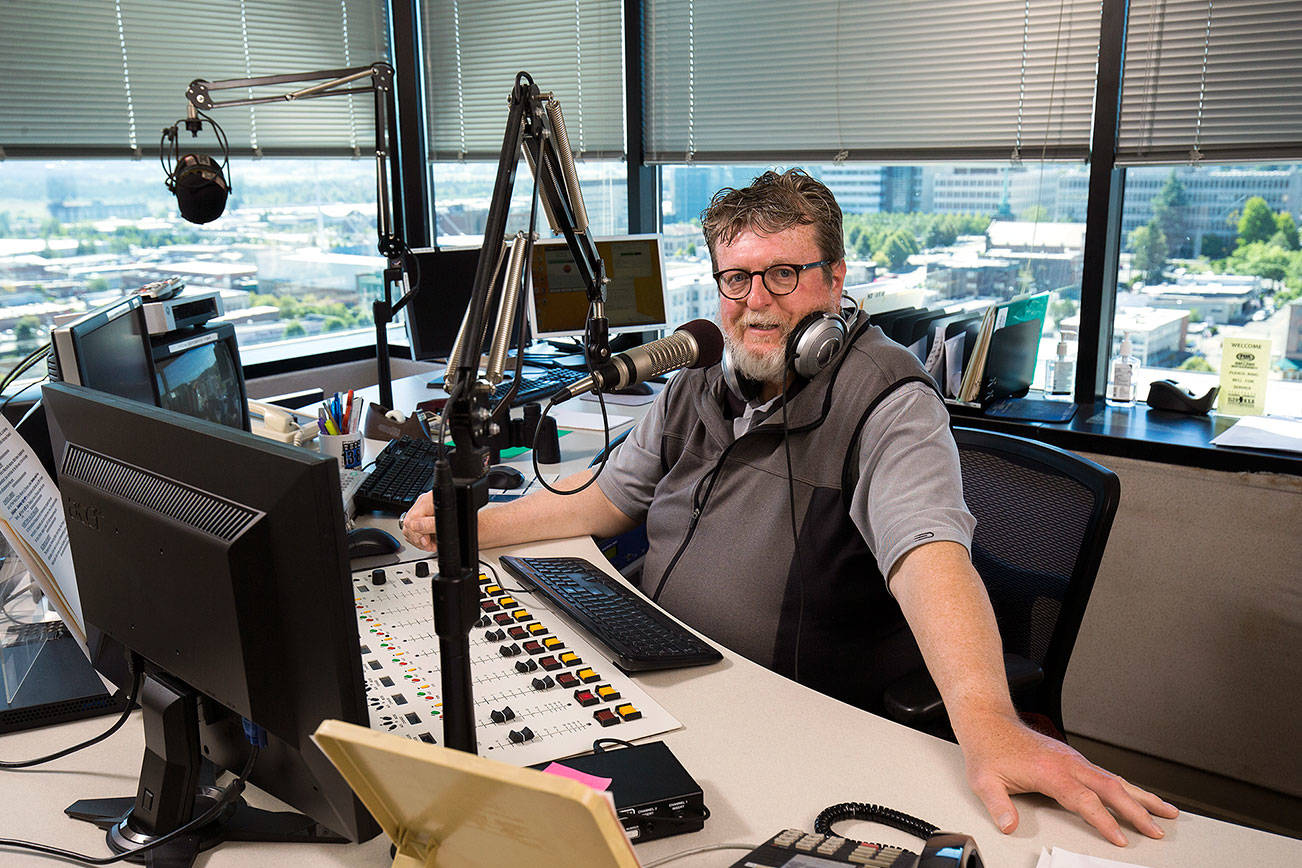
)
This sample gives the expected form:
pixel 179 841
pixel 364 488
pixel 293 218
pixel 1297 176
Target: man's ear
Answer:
pixel 838 278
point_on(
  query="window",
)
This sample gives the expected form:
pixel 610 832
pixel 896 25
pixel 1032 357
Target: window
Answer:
pixel 936 235
pixel 462 192
pixel 814 81
pixel 571 49
pixel 1210 133
pixel 294 254
pixel 1211 252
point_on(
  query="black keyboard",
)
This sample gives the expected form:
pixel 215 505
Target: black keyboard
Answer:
pixel 403 472
pixel 532 388
pixel 641 636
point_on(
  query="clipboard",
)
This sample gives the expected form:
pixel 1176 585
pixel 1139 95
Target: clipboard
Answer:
pixel 447 809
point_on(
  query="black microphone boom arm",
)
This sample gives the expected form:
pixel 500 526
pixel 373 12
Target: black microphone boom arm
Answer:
pixel 389 225
pixel 460 485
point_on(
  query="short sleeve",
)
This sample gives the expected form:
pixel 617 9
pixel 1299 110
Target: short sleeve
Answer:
pixel 630 476
pixel 910 488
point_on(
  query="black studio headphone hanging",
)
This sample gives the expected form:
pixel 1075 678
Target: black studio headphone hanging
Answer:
pixel 197 180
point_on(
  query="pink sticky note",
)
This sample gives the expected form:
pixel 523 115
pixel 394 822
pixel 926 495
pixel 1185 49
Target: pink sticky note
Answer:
pixel 598 784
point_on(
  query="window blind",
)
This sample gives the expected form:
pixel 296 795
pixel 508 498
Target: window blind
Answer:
pixel 104 78
pixel 474 48
pixel 819 80
pixel 1211 80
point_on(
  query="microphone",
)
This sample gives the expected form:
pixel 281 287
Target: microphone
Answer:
pixel 697 344
pixel 200 188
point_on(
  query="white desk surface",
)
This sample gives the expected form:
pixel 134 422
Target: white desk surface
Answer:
pixel 768 753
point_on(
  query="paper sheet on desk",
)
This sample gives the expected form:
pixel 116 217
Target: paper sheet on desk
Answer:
pixel 31 519
pixel 1263 432
pixel 586 421
pixel 1061 858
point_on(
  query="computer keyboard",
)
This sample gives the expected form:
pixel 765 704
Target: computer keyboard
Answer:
pixel 402 473
pixel 534 387
pixel 641 636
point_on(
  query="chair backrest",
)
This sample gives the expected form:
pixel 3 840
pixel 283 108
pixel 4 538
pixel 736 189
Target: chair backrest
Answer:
pixel 1043 518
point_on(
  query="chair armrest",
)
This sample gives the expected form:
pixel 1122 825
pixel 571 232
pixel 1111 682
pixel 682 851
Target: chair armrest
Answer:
pixel 914 699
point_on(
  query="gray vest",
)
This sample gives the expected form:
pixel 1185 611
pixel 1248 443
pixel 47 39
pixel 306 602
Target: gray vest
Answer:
pixel 722 554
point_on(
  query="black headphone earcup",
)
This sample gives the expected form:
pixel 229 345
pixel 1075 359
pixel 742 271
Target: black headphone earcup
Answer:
pixel 814 342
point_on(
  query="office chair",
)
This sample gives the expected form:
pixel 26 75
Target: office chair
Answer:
pixel 1043 518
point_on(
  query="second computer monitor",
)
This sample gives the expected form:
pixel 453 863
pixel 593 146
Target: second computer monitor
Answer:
pixel 635 295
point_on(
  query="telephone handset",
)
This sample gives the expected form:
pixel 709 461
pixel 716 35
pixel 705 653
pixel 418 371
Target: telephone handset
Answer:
pixel 278 423
pixel 942 850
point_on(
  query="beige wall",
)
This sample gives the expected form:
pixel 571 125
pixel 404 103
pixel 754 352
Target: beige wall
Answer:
pixel 1191 648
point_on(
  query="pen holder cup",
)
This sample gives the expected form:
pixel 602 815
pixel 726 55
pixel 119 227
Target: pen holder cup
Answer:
pixel 346 448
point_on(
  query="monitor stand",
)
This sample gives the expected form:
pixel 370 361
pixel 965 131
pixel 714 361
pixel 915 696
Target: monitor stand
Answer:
pixel 176 784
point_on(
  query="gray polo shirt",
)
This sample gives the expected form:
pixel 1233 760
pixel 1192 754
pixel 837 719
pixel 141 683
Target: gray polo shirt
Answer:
pixel 916 495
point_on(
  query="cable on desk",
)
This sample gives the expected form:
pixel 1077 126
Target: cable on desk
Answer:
pixel 229 794
pixel 599 746
pixel 874 814
pixel 665 860
pixel 126 712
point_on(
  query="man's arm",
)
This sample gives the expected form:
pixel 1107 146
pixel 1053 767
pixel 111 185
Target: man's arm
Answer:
pixel 537 516
pixel 947 608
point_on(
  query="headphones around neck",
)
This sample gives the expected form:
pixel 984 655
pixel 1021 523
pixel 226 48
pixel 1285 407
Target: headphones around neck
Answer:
pixel 812 345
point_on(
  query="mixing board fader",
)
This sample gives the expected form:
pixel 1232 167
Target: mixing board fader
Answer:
pixel 541 691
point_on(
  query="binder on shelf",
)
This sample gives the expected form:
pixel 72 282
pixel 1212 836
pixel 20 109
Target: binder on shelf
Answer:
pixel 1002 363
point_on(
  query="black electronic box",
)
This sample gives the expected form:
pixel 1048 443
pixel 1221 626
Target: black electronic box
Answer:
pixel 654 795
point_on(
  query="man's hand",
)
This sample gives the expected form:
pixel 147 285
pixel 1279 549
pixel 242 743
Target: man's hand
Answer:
pixel 417 523
pixel 1004 757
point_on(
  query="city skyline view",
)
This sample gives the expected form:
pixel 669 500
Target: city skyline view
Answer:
pixel 294 255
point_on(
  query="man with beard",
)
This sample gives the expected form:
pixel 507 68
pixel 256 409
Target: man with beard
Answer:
pixel 803 519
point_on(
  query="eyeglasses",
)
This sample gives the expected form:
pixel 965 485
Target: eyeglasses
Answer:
pixel 779 279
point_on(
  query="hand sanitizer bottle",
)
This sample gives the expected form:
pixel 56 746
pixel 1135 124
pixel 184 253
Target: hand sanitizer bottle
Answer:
pixel 1062 370
pixel 1121 376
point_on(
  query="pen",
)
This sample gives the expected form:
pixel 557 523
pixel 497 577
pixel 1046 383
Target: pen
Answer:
pixel 348 413
pixel 320 420
pixel 324 416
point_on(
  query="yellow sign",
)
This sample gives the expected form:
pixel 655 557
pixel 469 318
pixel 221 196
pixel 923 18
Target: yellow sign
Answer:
pixel 1245 362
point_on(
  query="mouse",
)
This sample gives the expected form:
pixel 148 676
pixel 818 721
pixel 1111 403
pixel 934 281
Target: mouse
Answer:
pixel 367 542
pixel 505 478
pixel 1170 395
pixel 635 389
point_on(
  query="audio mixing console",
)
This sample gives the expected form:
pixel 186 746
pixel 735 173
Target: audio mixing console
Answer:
pixel 541 691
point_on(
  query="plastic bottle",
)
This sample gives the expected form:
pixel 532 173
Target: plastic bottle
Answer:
pixel 1121 376
pixel 1062 369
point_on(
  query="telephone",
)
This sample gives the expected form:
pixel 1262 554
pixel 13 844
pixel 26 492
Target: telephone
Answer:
pixel 823 847
pixel 277 423
pixel 942 850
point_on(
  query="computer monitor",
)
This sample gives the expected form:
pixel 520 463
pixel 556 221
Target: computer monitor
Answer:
pixel 635 296
pixel 445 280
pixel 107 349
pixel 194 370
pixel 197 372
pixel 216 558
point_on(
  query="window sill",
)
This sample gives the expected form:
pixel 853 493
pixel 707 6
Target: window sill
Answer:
pixel 1145 434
